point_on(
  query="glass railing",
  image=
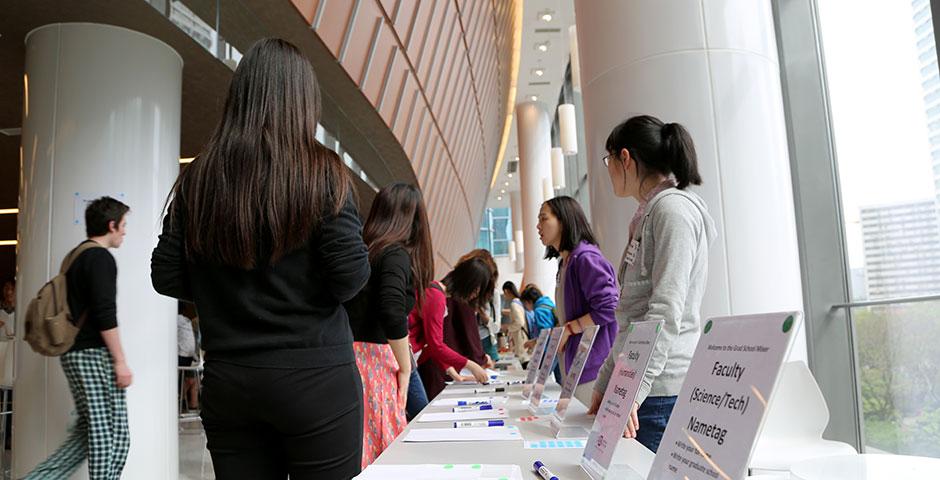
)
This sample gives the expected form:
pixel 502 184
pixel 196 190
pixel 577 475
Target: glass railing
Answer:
pixel 898 354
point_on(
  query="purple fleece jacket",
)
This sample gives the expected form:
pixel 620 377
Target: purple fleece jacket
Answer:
pixel 591 287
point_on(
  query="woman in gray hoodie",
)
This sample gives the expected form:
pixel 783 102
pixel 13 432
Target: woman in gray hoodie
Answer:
pixel 664 268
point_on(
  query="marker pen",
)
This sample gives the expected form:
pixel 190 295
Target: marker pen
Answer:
pixel 543 471
pixel 479 401
pixel 472 408
pixel 489 390
pixel 479 423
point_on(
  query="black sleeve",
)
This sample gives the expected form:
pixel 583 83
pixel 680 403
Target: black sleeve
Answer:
pixel 345 257
pixel 394 279
pixel 168 271
pixel 100 281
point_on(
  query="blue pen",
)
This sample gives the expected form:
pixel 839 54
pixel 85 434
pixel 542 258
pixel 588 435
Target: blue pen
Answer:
pixel 479 423
pixel 481 401
pixel 543 471
pixel 472 408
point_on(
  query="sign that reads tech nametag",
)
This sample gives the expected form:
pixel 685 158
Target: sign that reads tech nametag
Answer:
pixel 721 406
pixel 614 412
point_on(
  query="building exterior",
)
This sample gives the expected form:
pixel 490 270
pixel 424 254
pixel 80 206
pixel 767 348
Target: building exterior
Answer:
pixel 902 249
pixel 930 80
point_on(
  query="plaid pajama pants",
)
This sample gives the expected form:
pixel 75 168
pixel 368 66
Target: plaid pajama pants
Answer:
pixel 100 433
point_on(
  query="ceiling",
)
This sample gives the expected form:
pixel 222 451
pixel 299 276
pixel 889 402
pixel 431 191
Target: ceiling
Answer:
pixel 553 62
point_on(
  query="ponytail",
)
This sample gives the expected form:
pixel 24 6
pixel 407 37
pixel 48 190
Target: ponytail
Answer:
pixel 664 148
pixel 679 153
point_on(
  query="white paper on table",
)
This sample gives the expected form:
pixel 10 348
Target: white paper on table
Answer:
pixel 473 434
pixel 463 416
pixel 441 472
pixel 455 401
pixel 493 374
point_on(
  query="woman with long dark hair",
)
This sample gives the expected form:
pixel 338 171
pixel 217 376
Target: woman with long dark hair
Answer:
pixel 665 264
pixel 263 235
pixel 462 286
pixel 586 289
pixel 399 242
pixel 516 329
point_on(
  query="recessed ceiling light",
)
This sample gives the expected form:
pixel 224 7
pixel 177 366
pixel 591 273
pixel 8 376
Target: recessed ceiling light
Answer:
pixel 509 175
pixel 538 72
pixel 499 198
pixel 546 15
pixel 534 98
pixel 542 46
pixel 506 184
pixel 502 192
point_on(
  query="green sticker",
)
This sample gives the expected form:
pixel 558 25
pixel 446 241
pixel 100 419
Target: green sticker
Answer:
pixel 708 326
pixel 658 327
pixel 630 329
pixel 503 478
pixel 788 324
pixel 476 467
pixel 448 467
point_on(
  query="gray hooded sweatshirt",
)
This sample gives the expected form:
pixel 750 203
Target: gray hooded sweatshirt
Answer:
pixel 666 282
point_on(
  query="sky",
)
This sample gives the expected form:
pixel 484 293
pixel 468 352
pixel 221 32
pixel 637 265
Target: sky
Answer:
pixel 877 106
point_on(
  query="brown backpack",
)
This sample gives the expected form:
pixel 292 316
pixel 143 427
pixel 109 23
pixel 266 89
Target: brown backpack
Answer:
pixel 50 329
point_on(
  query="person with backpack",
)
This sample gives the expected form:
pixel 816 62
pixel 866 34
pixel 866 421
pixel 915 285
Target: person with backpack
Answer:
pixel 542 316
pixel 94 365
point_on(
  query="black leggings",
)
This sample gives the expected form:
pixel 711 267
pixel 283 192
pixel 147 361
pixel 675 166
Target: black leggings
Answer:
pixel 267 423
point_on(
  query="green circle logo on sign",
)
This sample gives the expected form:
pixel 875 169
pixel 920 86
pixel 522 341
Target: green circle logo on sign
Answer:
pixel 631 328
pixel 708 326
pixel 788 324
pixel 658 327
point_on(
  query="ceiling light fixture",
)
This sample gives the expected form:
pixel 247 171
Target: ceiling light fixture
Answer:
pixel 542 46
pixel 546 15
pixel 534 98
pixel 509 175
pixel 538 71
pixel 187 160
pixel 499 198
pixel 9 211
pixel 506 184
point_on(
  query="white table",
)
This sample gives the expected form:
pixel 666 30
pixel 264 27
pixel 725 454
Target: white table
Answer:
pixel 867 467
pixel 565 463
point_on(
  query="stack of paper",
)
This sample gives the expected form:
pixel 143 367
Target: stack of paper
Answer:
pixel 480 434
pixel 441 472
pixel 463 416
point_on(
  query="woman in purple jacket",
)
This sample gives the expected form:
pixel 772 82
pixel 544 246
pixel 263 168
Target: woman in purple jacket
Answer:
pixel 586 290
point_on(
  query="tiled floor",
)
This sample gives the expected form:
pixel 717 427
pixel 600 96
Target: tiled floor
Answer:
pixel 195 463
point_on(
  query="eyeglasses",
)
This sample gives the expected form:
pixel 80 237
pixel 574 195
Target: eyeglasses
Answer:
pixel 606 159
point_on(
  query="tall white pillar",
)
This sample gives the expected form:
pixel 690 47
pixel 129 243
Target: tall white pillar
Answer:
pixel 711 66
pixel 535 145
pixel 518 233
pixel 101 117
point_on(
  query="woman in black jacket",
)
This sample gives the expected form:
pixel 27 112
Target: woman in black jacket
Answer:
pixel 263 235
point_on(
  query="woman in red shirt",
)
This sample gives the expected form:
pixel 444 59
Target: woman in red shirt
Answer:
pixel 443 331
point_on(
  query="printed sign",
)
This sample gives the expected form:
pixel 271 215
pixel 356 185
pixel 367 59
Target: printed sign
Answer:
pixel 570 384
pixel 721 406
pixel 614 412
pixel 548 363
pixel 535 362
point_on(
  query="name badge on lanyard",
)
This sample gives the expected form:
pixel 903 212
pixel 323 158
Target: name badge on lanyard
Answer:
pixel 632 250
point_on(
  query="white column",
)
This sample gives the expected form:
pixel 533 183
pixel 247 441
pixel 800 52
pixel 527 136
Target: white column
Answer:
pixel 535 145
pixel 711 66
pixel 518 233
pixel 101 117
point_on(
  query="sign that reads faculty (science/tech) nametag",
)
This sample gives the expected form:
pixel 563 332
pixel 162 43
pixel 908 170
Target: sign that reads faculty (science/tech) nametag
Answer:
pixel 614 411
pixel 721 406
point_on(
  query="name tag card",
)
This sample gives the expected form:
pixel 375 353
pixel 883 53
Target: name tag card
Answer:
pixel 721 406
pixel 571 383
pixel 551 351
pixel 533 369
pixel 614 413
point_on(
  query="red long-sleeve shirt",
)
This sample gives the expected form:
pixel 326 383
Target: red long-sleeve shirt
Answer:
pixel 426 332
